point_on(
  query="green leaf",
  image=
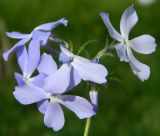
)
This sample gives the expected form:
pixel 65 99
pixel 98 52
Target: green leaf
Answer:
pixel 82 48
pixel 71 48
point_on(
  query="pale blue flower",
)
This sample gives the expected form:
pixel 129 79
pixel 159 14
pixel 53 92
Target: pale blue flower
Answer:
pixel 144 44
pixel 49 100
pixel 73 69
pixel 39 35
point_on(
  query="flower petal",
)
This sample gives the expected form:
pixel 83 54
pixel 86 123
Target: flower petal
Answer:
pixel 19 79
pixel 47 65
pixel 80 106
pixel 58 82
pixel 144 44
pixel 121 52
pixel 54 117
pixel 29 94
pixel 64 58
pixel 17 35
pixel 138 68
pixel 52 25
pixel 33 57
pixel 66 51
pixel 38 80
pixel 128 20
pixel 42 106
pixel 90 71
pixel 22 57
pixel 75 79
pixel 41 37
pixel 15 47
pixel 112 32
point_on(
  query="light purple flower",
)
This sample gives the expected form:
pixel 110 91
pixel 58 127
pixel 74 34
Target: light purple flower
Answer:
pixel 144 44
pixel 82 68
pixel 28 63
pixel 50 97
pixel 74 69
pixel 39 35
pixel 49 104
pixel 69 75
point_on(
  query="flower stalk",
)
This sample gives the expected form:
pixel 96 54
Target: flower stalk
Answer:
pixel 87 127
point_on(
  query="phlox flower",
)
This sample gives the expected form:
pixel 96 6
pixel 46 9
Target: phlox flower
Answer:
pixel 144 44
pixel 39 35
pixel 73 69
pixel 49 102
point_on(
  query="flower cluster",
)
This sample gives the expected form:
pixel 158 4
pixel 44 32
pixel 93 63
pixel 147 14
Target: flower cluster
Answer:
pixel 49 88
pixel 45 83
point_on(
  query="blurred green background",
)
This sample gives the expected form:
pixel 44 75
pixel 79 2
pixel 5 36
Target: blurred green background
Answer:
pixel 126 108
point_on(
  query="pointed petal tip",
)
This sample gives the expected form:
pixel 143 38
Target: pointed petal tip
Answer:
pixel 131 7
pixel 104 14
pixel 5 56
pixel 7 33
pixel 145 76
pixel 65 21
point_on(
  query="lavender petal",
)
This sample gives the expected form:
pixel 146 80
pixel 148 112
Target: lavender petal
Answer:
pixel 128 20
pixel 19 79
pixel 58 82
pixel 33 57
pixel 47 65
pixel 90 71
pixel 144 44
pixel 17 35
pixel 29 94
pixel 138 68
pixel 80 106
pixel 42 106
pixel 121 52
pixel 112 32
pixel 54 117
pixel 15 47
pixel 22 57
pixel 52 25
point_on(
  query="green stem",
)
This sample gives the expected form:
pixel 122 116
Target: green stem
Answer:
pixel 88 123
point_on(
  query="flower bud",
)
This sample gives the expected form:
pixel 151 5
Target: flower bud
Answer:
pixel 94 99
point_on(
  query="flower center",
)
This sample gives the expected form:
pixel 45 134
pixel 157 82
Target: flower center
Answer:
pixel 27 80
pixel 126 43
pixel 53 98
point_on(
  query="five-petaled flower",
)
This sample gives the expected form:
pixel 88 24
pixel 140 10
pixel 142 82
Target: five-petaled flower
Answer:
pixel 144 44
pixel 75 68
pixel 49 99
pixel 39 36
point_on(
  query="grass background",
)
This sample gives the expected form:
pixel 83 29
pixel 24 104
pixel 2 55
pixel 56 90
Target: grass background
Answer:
pixel 126 108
